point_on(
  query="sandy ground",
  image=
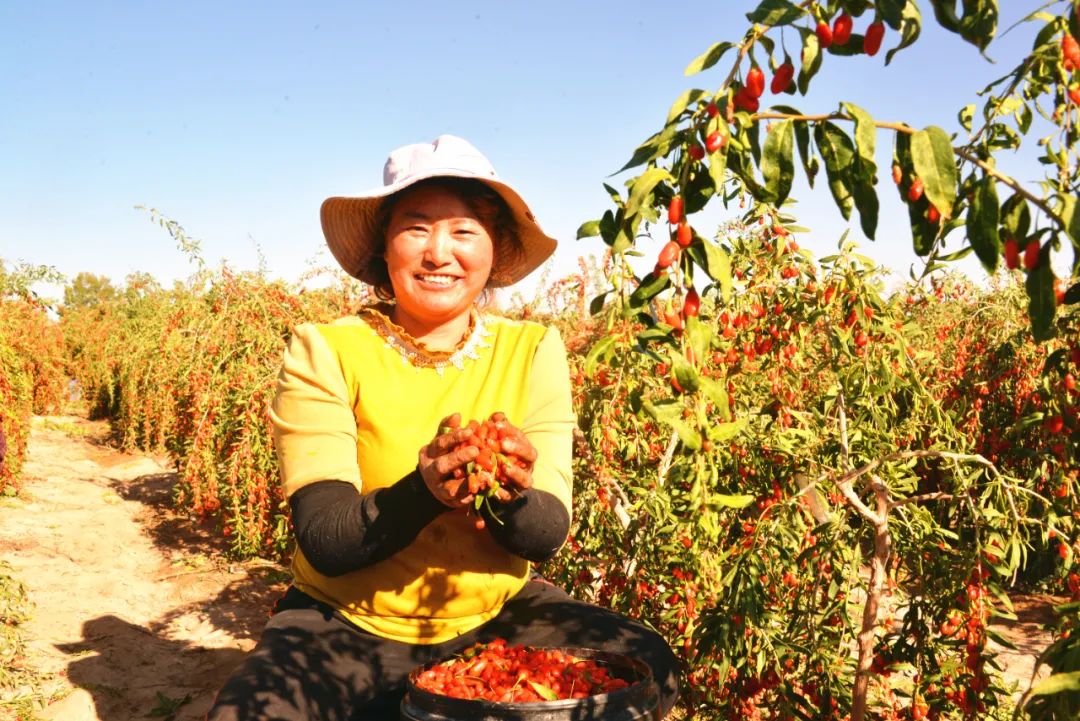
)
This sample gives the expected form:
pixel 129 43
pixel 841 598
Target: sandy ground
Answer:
pixel 130 600
pixel 136 613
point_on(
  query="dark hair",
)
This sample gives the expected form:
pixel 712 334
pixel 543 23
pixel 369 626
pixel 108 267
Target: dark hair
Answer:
pixel 485 203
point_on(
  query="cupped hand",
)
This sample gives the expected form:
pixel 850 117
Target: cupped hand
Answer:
pixel 439 459
pixel 515 444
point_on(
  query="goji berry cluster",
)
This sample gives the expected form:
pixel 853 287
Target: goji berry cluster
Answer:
pixel 487 473
pixel 518 674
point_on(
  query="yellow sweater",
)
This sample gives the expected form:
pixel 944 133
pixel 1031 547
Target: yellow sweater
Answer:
pixel 350 407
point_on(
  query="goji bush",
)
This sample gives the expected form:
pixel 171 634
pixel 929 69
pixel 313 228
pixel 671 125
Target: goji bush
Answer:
pixel 32 365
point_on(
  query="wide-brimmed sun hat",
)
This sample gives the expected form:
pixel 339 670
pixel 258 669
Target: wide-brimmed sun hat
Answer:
pixel 350 224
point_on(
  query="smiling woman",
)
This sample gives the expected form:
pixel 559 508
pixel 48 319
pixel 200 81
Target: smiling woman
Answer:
pixel 396 565
pixel 443 236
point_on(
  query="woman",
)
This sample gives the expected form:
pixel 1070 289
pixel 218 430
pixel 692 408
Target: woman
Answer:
pixel 393 569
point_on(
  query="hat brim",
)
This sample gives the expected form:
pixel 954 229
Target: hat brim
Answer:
pixel 350 224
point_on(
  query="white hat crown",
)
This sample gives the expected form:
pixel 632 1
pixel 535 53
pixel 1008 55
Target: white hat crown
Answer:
pixel 446 155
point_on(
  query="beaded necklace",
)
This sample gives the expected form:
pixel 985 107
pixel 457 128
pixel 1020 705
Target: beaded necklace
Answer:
pixel 418 355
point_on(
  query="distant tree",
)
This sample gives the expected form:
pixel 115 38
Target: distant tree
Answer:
pixel 139 284
pixel 87 289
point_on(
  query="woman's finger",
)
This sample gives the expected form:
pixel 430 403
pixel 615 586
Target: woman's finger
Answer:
pixel 447 462
pixel 520 447
pixel 520 477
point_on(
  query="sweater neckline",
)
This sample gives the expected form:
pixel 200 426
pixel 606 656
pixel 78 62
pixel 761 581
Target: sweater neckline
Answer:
pixel 415 352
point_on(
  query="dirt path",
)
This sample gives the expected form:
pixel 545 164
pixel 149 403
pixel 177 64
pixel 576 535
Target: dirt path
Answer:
pixel 133 611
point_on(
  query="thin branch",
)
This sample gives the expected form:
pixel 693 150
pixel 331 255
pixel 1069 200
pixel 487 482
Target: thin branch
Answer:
pixel 843 432
pixel 669 453
pixel 920 499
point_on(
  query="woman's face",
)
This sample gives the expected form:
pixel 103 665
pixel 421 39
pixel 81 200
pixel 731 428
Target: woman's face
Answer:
pixel 438 255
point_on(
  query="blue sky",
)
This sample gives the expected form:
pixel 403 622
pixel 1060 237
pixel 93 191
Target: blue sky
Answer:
pixel 238 119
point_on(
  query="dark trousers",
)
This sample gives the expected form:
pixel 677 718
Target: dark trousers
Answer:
pixel 313 665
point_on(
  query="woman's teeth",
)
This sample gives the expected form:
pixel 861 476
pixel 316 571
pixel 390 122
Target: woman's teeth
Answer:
pixel 437 279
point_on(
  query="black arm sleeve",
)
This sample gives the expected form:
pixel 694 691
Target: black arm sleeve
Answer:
pixel 339 530
pixel 534 525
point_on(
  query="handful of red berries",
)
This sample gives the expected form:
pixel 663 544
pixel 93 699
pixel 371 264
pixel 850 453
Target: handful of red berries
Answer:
pixel 486 475
pixel 517 674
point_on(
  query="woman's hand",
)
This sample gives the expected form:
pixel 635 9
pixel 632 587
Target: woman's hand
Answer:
pixel 438 460
pixel 516 444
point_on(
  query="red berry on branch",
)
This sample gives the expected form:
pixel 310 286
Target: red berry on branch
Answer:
pixel 782 79
pixel 1031 255
pixel 684 236
pixel 712 110
pixel 745 100
pixel 668 255
pixel 915 191
pixel 841 30
pixel 755 81
pixel 1012 254
pixel 897 174
pixel 872 39
pixel 824 34
pixel 715 141
pixel 932 214
pixel 692 304
pixel 1070 50
pixel 697 152
pixel 675 210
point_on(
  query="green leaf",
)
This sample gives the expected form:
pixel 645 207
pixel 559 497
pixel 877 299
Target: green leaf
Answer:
pixel 982 223
pixel 718 394
pixel 643 186
pixel 891 12
pixel 965 116
pixel 923 234
pixel 864 170
pixel 1057 683
pixel 717 266
pixel 811 60
pixel 945 12
pixel 657 145
pixel 726 431
pixel 1041 301
pixel 708 58
pixel 1015 218
pixel 778 161
pixel 698 192
pixel 910 27
pixel 730 501
pixel 544 691
pixel 865 135
pixel 699 336
pixel 608 228
pixel 651 286
pixel 775 12
pixel 932 154
pixel 837 151
pixel 718 160
pixel 979 24
pixel 802 141
pixel 685 373
pixel 588 229
pixel 670 414
pixel 1070 218
pixel 682 103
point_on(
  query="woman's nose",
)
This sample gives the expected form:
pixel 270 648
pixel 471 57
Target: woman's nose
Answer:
pixel 438 248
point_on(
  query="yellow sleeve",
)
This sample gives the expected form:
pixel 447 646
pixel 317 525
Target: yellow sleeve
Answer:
pixel 549 418
pixel 314 425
